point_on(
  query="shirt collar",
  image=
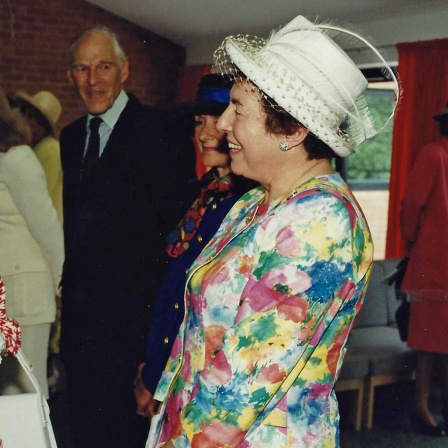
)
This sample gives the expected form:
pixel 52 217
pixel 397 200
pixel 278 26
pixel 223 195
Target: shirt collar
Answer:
pixel 111 116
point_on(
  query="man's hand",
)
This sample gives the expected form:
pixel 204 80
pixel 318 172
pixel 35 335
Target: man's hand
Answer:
pixel 146 405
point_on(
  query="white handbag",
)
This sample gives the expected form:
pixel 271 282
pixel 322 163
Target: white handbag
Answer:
pixel 25 418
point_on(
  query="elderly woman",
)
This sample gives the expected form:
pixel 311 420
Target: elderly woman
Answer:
pixel 271 299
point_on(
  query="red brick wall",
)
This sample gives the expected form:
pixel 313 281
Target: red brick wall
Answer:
pixel 35 36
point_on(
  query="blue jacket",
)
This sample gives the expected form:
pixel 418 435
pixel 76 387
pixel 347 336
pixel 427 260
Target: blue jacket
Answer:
pixel 169 305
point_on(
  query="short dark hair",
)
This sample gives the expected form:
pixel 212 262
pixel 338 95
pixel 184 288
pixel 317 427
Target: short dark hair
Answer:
pixel 278 121
pixel 28 110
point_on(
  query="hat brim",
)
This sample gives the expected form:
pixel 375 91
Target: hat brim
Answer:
pixel 215 109
pixel 206 108
pixel 25 97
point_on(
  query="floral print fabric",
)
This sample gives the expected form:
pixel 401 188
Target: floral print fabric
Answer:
pixel 270 295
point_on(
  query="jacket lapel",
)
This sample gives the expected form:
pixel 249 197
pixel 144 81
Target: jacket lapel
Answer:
pixel 123 129
pixel 238 219
pixel 77 143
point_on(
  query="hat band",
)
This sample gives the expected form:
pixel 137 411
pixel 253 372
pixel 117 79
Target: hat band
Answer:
pixel 214 95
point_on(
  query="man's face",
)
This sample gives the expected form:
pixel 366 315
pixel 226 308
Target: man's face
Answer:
pixel 96 72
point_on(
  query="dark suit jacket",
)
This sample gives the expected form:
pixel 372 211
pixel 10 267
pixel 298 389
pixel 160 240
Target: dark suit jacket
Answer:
pixel 115 226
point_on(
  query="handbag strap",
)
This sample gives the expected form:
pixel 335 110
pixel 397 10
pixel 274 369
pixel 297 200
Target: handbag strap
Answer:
pixel 44 410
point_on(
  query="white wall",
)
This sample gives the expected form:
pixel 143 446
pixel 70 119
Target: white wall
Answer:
pixel 386 33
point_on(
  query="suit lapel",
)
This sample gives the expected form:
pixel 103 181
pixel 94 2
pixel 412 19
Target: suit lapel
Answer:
pixel 75 145
pixel 124 128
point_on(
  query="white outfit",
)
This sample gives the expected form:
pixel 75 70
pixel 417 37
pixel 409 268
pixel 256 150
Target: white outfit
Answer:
pixel 31 250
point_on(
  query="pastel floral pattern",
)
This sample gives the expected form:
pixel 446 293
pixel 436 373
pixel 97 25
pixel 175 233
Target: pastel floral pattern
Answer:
pixel 264 299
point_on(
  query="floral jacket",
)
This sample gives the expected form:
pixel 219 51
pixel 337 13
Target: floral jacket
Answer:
pixel 270 304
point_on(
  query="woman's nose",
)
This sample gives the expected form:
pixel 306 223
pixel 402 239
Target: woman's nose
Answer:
pixel 208 132
pixel 224 124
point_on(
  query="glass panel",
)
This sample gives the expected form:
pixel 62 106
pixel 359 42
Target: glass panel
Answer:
pixel 368 170
pixel 369 167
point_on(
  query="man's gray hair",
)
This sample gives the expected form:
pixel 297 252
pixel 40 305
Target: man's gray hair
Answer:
pixel 119 52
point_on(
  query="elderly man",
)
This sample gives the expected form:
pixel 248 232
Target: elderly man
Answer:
pixel 127 182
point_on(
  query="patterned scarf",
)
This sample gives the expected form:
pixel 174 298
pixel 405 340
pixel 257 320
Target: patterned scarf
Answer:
pixel 213 188
pixel 9 328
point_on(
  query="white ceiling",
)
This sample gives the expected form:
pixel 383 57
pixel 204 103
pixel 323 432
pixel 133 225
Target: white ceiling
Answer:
pixel 200 22
pixel 185 21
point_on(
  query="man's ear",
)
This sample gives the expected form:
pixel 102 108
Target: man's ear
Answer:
pixel 125 71
pixel 297 137
pixel 70 77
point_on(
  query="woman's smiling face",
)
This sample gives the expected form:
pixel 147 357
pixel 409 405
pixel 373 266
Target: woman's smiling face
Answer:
pixel 214 150
pixel 253 150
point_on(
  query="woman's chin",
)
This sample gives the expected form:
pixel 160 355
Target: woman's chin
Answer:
pixel 236 168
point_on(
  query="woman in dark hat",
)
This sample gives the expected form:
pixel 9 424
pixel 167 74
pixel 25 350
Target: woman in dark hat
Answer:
pixel 220 189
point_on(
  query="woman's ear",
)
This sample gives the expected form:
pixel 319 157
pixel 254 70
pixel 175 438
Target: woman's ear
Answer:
pixel 297 137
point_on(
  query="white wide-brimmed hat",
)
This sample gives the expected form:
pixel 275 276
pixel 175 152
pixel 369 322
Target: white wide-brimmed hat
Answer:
pixel 46 103
pixel 303 70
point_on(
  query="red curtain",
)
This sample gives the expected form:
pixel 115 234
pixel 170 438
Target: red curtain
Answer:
pixel 423 75
pixel 189 76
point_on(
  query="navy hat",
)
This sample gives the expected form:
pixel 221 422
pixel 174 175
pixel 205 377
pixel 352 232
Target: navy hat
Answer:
pixel 213 95
pixel 443 115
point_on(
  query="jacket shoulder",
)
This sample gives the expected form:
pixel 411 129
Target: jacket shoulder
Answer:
pixel 137 109
pixel 73 127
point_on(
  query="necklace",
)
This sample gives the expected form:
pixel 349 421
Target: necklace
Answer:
pixel 293 193
pixel 263 207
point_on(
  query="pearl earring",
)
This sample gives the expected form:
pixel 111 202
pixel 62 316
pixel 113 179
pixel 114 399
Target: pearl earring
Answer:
pixel 284 145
